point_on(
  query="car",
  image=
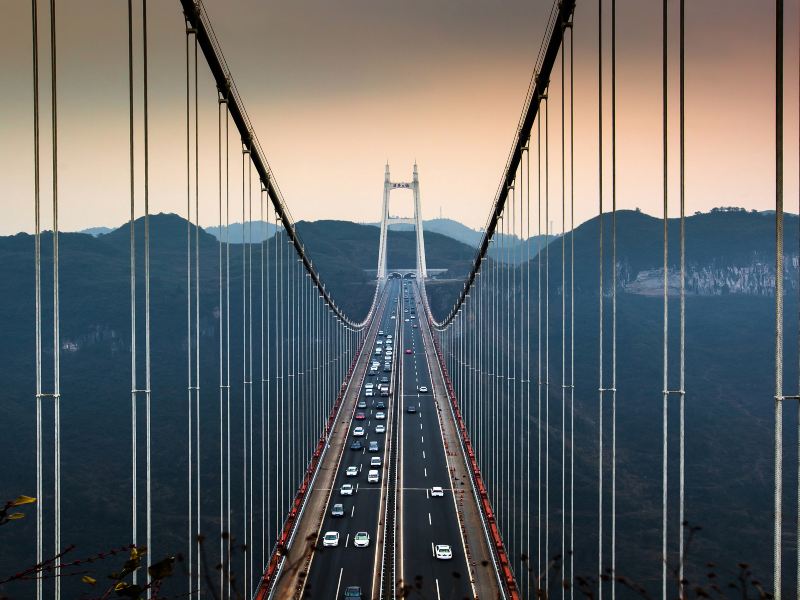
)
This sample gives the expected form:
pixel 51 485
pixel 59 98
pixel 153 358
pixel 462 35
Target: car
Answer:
pixel 379 343
pixel 370 385
pixel 437 492
pixel 380 332
pixel 373 476
pixel 385 391
pixel 414 326
pixel 356 445
pixel 346 489
pixel 387 369
pixel 361 539
pixel 352 591
pixel 423 389
pixel 360 416
pixel 443 552
pixel 374 447
pixel 406 320
pixel 337 510
pixel 375 461
pixel 330 539
pixel 380 404
pixel 406 310
pixel 384 379
pixel 380 428
pixel 409 351
pixel 362 404
pixel 358 432
pixel 410 409
pixel 380 416
pixel 369 393
pixel 389 337
pixel 379 351
pixel 373 370
pixel 393 317
pixel 352 471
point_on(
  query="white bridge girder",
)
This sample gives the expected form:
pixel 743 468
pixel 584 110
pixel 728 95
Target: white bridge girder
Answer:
pixel 387 220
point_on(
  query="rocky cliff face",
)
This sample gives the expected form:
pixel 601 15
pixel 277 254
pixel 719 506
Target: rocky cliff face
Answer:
pixel 756 278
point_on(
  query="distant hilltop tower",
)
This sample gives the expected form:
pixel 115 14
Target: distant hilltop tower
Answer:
pixel 386 220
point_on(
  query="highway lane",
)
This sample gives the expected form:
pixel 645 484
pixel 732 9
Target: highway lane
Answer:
pixel 425 520
pixel 333 569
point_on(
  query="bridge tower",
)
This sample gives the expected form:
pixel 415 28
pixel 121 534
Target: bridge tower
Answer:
pixel 386 220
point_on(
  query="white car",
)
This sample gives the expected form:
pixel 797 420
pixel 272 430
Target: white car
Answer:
pixel 346 489
pixel 358 432
pixel 375 461
pixel 379 343
pixel 373 476
pixel 330 539
pixel 370 385
pixel 423 389
pixel 379 351
pixel 353 472
pixel 380 416
pixel 406 322
pixel 393 317
pixel 361 539
pixel 380 428
pixel 369 393
pixel 388 337
pixel 437 491
pixel 443 552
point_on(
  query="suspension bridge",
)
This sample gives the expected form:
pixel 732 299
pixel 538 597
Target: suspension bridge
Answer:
pixel 411 451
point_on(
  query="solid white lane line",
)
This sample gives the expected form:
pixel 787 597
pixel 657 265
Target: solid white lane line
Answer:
pixel 339 583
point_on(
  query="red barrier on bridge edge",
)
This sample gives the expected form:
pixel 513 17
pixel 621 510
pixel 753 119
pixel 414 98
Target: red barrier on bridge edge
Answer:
pixel 291 520
pixel 485 504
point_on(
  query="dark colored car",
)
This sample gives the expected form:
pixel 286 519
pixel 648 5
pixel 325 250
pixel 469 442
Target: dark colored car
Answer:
pixel 356 445
pixel 360 416
pixel 374 447
pixel 380 404
pixel 352 591
pixel 411 409
pixel 362 404
pixel 384 380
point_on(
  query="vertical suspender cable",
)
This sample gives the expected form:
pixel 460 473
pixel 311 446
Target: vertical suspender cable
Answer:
pixel 189 308
pixel 547 336
pixel 600 299
pixel 665 393
pixel 572 312
pixel 56 301
pixel 228 477
pixel 682 473
pixel 528 421
pixel 249 514
pixel 778 297
pixel 613 582
pixel 131 225
pixel 38 294
pixel 198 460
pixel 540 563
pixel 563 330
pixel 245 152
pixel 221 105
pixel 262 244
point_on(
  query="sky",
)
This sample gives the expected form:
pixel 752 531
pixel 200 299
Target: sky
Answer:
pixel 335 89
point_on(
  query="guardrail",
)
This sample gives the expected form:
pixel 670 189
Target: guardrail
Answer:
pixel 498 546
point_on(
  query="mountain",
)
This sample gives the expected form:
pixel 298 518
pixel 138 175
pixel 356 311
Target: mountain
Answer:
pixel 95 231
pixel 255 232
pixel 729 376
pixel 730 312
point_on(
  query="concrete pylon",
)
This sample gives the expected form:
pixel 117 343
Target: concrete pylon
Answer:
pixel 386 220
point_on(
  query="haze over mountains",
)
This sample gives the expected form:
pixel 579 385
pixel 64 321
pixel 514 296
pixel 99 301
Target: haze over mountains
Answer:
pixel 729 373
